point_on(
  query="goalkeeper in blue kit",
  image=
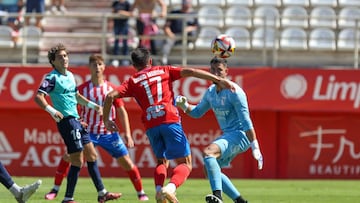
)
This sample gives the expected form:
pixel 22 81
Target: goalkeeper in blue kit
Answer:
pixel 232 113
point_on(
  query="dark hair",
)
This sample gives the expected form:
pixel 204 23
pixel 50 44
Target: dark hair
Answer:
pixel 140 57
pixel 95 57
pixel 218 60
pixel 52 52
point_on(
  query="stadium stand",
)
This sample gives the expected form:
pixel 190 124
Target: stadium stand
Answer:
pixel 293 38
pixel 266 16
pixel 241 36
pixel 219 3
pixel 303 3
pixel 276 3
pixel 294 16
pixel 211 16
pixel 323 16
pixel 80 29
pixel 205 37
pixel 346 39
pixel 247 3
pixel 264 38
pixel 314 30
pixel 343 3
pixel 6 40
pixel 331 3
pixel 322 39
pixel 348 17
pixel 30 36
pixel 238 16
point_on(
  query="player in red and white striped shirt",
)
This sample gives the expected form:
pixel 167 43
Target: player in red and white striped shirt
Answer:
pixel 96 90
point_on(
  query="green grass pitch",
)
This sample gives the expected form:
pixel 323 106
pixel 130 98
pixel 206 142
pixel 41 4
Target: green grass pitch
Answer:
pixel 194 190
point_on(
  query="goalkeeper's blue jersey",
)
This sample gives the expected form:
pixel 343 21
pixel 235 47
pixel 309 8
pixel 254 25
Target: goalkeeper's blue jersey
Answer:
pixel 230 108
pixel 62 91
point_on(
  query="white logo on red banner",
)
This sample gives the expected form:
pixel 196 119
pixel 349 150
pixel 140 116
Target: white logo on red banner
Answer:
pixel 293 86
pixel 6 152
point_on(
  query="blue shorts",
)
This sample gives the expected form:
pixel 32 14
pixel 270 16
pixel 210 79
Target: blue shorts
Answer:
pixel 35 5
pixel 73 134
pixel 168 141
pixel 231 144
pixel 112 143
pixel 12 9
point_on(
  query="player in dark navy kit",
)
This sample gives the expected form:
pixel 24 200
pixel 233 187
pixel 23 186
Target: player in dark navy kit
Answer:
pixel 152 88
pixel 95 90
pixel 60 85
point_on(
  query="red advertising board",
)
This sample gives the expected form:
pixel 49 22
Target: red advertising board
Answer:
pixel 306 121
pixel 267 89
pixel 322 145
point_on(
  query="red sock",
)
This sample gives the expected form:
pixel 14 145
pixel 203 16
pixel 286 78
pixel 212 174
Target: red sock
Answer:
pixel 160 174
pixel 135 178
pixel 61 171
pixel 180 174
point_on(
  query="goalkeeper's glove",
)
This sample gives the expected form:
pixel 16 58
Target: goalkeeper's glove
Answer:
pixel 181 102
pixel 256 153
pixel 53 112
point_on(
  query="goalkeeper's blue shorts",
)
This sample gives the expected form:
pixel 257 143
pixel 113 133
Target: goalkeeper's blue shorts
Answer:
pixel 231 144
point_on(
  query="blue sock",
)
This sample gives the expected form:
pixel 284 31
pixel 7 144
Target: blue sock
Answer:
pixel 5 177
pixel 213 172
pixel 72 178
pixel 95 175
pixel 229 188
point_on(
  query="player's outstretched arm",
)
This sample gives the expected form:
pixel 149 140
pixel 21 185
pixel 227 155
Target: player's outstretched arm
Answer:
pixel 191 72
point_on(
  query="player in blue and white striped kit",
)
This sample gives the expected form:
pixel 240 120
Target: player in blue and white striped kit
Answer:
pixel 232 113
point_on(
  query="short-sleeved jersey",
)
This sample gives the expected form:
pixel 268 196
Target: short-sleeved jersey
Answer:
pixel 62 91
pixel 230 108
pixel 97 95
pixel 152 88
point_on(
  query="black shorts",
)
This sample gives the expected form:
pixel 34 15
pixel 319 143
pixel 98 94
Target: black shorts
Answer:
pixel 73 134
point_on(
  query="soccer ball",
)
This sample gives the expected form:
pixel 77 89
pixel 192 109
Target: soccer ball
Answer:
pixel 223 46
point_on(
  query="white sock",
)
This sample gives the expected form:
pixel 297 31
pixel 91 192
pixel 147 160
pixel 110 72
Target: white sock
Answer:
pixel 142 192
pixel 171 187
pixel 102 192
pixel 68 198
pixel 15 190
pixel 56 187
